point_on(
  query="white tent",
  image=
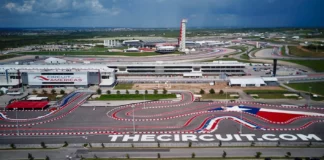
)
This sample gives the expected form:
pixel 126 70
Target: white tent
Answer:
pixel 4 90
pixel 54 60
pixel 247 81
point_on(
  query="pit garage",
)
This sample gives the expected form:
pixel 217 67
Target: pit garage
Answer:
pixel 246 81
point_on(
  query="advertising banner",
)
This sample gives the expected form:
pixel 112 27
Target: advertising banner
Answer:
pixel 75 79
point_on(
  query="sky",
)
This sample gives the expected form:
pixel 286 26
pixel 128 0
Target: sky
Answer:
pixel 161 13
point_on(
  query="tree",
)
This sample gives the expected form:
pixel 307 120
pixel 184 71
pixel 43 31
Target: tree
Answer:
pixel 258 154
pixel 224 154
pixel 288 154
pixel 221 92
pixel 118 92
pixel 108 92
pixel 53 91
pixel 62 91
pixel 13 146
pixel 43 145
pixel 44 91
pixel 30 156
pixel 146 92
pixel 193 155
pixel 127 92
pixel 165 91
pixel 65 144
pixel 98 91
pixel 102 145
pixel 158 155
pixel 190 144
pixel 1 92
pixel 136 92
pixel 212 91
pixel 202 91
pixel 127 156
pixel 155 91
pixel 34 91
pixel 47 158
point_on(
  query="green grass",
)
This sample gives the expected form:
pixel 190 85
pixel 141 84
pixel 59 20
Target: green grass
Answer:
pixel 316 65
pixel 317 87
pixel 7 56
pixel 231 59
pixel 242 48
pixel 293 50
pixel 218 96
pixel 123 86
pixel 265 91
pixel 270 94
pixel 283 50
pixel 245 56
pixel 92 53
pixel 274 96
pixel 135 97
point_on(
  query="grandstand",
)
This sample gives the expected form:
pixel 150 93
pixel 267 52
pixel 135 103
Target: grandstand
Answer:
pixel 27 105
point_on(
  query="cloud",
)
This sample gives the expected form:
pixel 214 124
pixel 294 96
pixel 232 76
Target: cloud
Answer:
pixel 59 8
pixel 26 7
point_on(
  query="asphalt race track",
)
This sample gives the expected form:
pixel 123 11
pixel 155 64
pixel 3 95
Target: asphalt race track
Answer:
pixel 184 120
pixel 207 53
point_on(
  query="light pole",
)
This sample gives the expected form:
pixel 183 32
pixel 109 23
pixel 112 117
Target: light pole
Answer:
pixel 241 122
pixel 226 96
pixel 17 122
pixel 309 97
pixel 133 119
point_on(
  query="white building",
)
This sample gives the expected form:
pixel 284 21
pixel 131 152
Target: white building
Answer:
pixel 246 81
pixel 56 75
pixel 53 60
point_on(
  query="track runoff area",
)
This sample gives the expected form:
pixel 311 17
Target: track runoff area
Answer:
pixel 165 121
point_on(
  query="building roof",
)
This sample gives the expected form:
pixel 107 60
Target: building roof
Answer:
pixel 246 80
pixel 61 67
pixel 28 105
pixel 54 60
pixel 273 79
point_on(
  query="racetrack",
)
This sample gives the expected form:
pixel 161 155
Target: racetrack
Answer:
pixel 166 117
pixel 204 54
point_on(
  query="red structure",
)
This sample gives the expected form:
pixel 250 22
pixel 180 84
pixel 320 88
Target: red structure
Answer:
pixel 28 105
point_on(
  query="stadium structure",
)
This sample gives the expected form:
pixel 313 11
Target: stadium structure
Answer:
pixel 181 69
pixel 49 76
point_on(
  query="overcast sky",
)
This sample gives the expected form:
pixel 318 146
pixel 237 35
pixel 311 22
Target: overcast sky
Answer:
pixel 161 13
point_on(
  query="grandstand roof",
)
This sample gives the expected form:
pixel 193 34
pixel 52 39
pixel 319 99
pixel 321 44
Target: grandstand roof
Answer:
pixel 28 105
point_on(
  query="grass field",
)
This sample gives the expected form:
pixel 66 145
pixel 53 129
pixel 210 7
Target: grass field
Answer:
pixel 283 50
pixel 265 91
pixel 294 50
pixel 270 94
pixel 317 87
pixel 7 56
pixel 316 65
pixel 123 86
pixel 274 96
pixel 245 56
pixel 135 97
pixel 218 96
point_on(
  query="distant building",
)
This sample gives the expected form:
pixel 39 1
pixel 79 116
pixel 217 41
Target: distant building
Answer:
pixel 166 49
pixel 53 60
